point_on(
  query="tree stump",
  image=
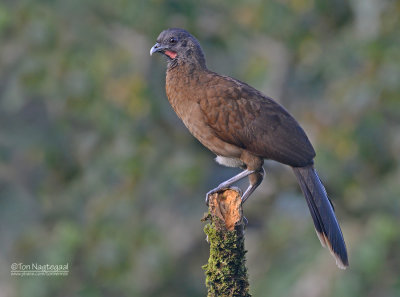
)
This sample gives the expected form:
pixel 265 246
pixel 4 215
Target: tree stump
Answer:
pixel 226 273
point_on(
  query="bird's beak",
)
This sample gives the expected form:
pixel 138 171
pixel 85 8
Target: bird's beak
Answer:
pixel 156 48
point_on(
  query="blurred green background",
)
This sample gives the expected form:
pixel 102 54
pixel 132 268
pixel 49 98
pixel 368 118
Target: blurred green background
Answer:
pixel 97 171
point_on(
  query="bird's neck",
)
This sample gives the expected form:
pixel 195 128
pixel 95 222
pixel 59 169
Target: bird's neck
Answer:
pixel 193 63
pixel 183 71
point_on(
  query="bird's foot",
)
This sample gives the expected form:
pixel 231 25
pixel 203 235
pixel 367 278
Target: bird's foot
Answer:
pixel 213 191
pixel 219 189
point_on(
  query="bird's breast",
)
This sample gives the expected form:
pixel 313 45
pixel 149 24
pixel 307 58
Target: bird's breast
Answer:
pixel 185 91
pixel 182 93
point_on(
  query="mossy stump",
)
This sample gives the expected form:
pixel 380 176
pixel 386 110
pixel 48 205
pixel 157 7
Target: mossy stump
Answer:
pixel 226 273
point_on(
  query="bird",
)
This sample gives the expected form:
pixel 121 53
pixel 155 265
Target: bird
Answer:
pixel 243 127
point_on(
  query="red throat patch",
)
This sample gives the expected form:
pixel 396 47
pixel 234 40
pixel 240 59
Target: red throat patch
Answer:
pixel 170 54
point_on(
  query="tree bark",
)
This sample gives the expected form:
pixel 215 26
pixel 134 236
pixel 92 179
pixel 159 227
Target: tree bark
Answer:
pixel 226 273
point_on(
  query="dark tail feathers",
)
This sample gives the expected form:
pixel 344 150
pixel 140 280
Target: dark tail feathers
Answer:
pixel 322 212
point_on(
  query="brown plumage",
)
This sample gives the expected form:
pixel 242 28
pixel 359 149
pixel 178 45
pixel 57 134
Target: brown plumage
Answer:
pixel 243 127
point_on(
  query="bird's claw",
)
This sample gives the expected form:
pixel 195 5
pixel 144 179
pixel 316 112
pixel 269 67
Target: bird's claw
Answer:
pixel 245 221
pixel 218 189
pixel 213 191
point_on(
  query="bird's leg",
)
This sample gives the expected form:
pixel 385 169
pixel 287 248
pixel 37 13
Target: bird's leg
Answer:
pixel 255 180
pixel 234 179
pixel 229 182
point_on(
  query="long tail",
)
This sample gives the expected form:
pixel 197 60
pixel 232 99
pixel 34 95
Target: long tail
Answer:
pixel 323 214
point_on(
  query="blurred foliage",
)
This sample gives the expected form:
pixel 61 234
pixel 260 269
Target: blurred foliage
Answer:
pixel 97 171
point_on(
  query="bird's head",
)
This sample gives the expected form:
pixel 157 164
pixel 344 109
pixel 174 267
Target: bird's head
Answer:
pixel 179 47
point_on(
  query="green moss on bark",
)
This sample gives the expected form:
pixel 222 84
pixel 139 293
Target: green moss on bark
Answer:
pixel 226 273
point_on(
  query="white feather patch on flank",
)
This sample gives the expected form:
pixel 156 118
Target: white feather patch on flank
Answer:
pixel 230 162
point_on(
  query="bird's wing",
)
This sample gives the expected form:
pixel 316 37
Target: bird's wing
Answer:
pixel 242 116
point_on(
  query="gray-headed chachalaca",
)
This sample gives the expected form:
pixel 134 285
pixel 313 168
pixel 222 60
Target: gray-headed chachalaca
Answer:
pixel 243 127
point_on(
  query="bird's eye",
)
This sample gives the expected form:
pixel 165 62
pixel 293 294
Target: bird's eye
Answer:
pixel 172 40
